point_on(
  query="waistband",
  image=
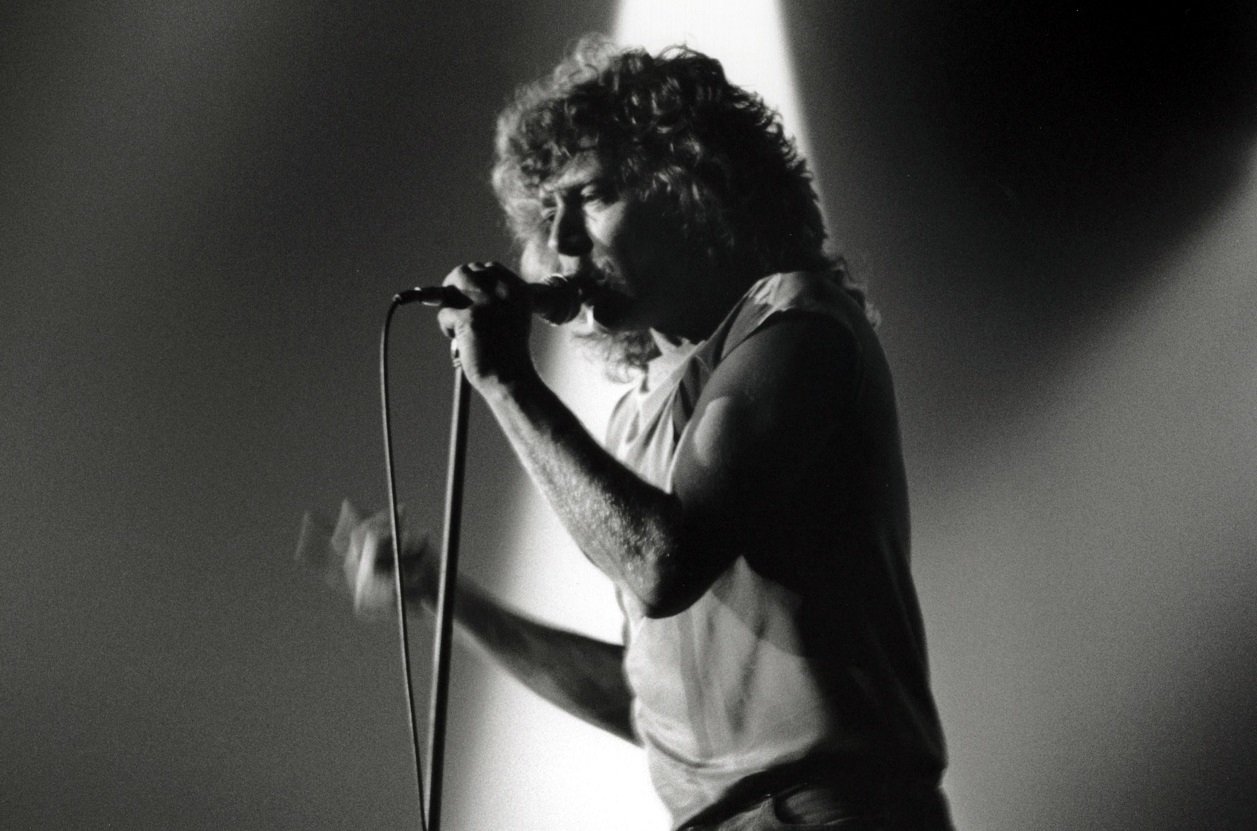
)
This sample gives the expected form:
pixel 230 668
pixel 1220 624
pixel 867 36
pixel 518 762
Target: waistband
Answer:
pixel 908 802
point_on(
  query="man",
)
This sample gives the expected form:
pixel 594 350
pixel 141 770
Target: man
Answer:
pixel 749 503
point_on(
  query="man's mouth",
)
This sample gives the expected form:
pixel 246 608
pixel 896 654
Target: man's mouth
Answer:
pixel 604 303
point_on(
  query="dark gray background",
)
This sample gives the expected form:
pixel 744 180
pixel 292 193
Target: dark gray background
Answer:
pixel 205 207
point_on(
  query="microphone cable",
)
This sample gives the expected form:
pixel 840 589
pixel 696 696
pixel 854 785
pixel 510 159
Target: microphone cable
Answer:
pixel 395 524
pixel 556 300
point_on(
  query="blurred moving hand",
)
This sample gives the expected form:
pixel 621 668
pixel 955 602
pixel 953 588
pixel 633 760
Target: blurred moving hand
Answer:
pixel 357 555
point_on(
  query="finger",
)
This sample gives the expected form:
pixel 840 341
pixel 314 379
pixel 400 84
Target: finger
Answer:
pixel 369 564
pixel 467 278
pixel 353 555
pixel 494 280
pixel 349 518
pixel 450 320
pixel 366 541
pixel 490 280
pixel 373 590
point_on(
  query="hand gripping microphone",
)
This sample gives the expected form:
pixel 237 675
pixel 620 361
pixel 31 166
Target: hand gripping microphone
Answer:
pixel 556 300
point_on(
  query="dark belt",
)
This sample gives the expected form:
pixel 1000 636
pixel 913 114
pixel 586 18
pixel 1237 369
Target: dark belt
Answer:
pixel 899 806
pixel 843 790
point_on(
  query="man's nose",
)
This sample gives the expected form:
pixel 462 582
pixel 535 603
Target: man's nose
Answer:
pixel 568 235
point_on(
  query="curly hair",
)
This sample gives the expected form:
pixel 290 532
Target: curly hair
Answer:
pixel 673 132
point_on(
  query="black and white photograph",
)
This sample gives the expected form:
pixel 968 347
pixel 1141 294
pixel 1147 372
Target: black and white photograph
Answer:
pixel 628 415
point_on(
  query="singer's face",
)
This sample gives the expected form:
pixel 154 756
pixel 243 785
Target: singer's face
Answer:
pixel 629 252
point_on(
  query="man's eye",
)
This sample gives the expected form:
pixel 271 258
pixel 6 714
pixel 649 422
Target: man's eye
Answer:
pixel 595 194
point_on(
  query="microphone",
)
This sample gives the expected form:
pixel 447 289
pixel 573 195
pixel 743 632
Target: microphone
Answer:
pixel 556 300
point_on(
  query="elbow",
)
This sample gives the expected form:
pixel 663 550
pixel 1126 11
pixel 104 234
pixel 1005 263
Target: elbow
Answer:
pixel 674 568
pixel 661 606
pixel 666 606
pixel 663 591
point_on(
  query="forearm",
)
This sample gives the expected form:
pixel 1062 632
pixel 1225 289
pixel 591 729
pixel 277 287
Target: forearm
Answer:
pixel 627 527
pixel 580 675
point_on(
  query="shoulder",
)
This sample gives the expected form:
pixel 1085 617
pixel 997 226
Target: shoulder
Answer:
pixel 816 297
pixel 792 353
pixel 825 324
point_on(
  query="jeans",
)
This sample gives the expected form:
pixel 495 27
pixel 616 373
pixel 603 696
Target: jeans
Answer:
pixel 817 807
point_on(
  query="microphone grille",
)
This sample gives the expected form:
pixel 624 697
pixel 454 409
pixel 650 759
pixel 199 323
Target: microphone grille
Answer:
pixel 557 299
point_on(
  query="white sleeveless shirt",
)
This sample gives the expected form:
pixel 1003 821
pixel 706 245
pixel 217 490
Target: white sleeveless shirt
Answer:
pixel 809 653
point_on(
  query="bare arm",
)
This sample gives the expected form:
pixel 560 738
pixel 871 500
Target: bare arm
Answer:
pixel 581 675
pixel 761 416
